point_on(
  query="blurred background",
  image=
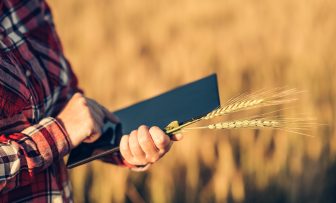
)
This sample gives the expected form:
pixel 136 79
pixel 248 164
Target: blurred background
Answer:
pixel 124 51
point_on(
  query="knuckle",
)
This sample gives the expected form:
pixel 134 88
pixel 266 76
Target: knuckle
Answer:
pixel 81 100
pixel 124 143
pixel 160 141
pixel 134 133
pixel 133 144
pixel 87 113
pixel 142 139
pixel 123 148
pixel 152 129
pixel 77 94
pixel 89 126
pixel 123 151
pixel 143 128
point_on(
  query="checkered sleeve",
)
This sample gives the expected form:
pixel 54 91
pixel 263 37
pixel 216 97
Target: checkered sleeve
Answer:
pixel 23 155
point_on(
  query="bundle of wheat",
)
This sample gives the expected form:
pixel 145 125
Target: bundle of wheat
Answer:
pixel 263 98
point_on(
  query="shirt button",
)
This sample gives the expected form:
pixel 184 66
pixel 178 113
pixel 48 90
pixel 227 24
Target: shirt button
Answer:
pixel 28 73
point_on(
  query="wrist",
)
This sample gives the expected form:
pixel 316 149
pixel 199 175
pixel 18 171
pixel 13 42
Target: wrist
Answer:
pixel 61 124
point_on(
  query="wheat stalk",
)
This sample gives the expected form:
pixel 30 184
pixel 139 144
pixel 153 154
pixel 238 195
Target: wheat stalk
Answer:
pixel 248 101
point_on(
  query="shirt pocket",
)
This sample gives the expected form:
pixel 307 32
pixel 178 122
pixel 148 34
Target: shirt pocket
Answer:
pixel 11 104
pixel 14 94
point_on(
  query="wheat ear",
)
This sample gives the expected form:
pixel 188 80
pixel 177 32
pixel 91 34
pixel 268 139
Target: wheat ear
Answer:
pixel 248 101
pixel 259 123
pixel 275 123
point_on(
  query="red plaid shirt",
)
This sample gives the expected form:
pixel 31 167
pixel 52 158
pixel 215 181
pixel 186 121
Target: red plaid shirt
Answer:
pixel 36 81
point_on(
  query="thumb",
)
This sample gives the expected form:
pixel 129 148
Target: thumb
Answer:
pixel 176 137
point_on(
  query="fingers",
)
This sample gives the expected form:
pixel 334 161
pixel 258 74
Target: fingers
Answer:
pixel 110 115
pixel 95 108
pixel 161 140
pixel 147 144
pixel 99 118
pixel 139 156
pixel 107 113
pixel 83 119
pixel 98 113
pixel 144 146
pixel 92 138
pixel 125 149
pixel 95 132
pixel 103 112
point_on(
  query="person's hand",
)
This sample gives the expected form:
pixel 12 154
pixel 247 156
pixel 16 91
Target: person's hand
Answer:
pixel 83 119
pixel 146 145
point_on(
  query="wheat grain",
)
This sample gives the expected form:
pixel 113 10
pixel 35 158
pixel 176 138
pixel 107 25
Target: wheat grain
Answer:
pixel 300 125
pixel 249 101
pixel 255 123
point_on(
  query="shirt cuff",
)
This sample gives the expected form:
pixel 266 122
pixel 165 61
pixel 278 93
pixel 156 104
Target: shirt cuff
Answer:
pixel 51 139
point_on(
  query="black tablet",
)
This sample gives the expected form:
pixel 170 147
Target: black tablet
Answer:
pixel 183 104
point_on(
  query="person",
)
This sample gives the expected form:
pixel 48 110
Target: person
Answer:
pixel 43 113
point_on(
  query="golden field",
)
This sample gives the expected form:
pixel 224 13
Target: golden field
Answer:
pixel 124 51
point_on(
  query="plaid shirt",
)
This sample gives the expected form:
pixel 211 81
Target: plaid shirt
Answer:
pixel 36 81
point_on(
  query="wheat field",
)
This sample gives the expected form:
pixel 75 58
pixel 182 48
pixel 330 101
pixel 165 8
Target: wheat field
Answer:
pixel 124 51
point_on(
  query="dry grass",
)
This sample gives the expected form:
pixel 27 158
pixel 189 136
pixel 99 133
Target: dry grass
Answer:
pixel 124 51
